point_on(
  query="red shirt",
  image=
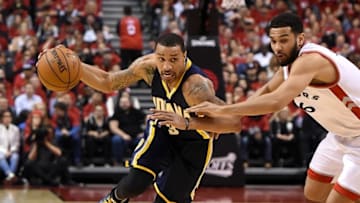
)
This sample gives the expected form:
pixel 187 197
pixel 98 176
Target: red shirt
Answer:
pixel 130 33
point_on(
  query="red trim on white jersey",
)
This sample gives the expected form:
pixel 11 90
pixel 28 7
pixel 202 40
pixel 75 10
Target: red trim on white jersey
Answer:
pixel 318 177
pixel 345 192
pixel 339 93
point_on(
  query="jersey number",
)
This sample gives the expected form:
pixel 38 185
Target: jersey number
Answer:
pixel 172 130
pixel 131 29
pixel 309 109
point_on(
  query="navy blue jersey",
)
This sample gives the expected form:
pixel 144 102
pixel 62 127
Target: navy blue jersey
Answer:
pixel 174 100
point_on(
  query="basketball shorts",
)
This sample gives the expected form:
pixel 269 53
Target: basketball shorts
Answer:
pixel 177 164
pixel 338 159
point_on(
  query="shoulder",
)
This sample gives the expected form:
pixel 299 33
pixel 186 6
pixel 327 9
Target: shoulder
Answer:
pixel 197 89
pixel 197 82
pixel 311 61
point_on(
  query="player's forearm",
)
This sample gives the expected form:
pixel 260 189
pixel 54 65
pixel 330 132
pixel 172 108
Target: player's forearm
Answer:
pixel 263 90
pixel 96 78
pixel 107 82
pixel 264 104
pixel 216 125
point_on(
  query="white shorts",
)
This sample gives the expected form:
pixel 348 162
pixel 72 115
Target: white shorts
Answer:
pixel 339 157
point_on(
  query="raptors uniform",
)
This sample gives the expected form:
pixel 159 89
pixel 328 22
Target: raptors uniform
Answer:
pixel 176 158
pixel 336 108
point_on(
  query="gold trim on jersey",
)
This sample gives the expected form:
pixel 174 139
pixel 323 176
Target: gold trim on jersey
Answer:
pixel 205 135
pixel 207 161
pixel 143 149
pixel 157 190
pixel 170 93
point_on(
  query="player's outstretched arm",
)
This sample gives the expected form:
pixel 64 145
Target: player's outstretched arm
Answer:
pixel 198 89
pixel 141 68
pixel 303 71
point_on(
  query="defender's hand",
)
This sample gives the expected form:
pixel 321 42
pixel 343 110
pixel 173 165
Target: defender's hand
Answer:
pixel 206 109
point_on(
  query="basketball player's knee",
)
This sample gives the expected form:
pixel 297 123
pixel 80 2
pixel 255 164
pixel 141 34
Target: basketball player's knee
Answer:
pixel 313 195
pixel 135 183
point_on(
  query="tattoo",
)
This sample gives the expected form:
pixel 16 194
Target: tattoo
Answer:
pixel 149 75
pixel 122 79
pixel 125 78
pixel 203 91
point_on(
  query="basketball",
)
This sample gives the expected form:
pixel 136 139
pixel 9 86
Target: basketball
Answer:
pixel 59 69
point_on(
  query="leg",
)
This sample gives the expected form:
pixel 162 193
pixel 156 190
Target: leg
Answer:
pixel 244 142
pixel 76 147
pixel 316 191
pixel 148 160
pixel 325 165
pixel 179 181
pixel 135 183
pixel 106 142
pixel 4 165
pixel 118 147
pixel 338 198
pixel 14 161
pixel 347 187
pixel 267 151
pixel 89 149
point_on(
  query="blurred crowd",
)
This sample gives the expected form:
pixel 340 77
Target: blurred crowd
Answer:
pixel 43 132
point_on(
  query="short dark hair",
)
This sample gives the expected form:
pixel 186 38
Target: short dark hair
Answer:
pixel 127 10
pixel 286 19
pixel 171 40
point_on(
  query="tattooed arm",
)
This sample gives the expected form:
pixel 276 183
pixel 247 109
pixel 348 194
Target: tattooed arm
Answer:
pixel 141 69
pixel 198 89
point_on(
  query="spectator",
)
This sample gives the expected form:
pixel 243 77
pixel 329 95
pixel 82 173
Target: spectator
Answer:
pixel 263 56
pixel 26 100
pixel 37 116
pixel 6 93
pixel 23 78
pixel 5 105
pixel 67 133
pixel 9 146
pixel 97 98
pixel 255 139
pixel 126 127
pixel 285 140
pixel 45 164
pixel 97 136
pixel 130 33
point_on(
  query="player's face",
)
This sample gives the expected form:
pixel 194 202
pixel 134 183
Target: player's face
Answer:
pixel 285 44
pixel 170 63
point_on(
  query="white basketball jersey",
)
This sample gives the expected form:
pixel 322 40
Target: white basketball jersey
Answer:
pixel 336 106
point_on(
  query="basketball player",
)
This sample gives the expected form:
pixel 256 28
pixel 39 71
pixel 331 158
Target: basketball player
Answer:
pixel 326 86
pixel 181 155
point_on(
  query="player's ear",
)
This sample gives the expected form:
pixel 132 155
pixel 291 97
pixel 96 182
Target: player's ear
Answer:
pixel 300 39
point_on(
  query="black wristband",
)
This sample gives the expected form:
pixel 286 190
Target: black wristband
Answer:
pixel 187 123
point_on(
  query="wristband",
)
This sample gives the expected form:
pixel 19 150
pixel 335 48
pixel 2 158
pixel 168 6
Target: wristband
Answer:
pixel 187 123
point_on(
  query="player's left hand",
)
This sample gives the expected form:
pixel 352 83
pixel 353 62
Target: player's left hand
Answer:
pixel 206 109
pixel 168 118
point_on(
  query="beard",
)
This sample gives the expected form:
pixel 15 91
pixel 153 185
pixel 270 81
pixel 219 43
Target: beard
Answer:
pixel 293 55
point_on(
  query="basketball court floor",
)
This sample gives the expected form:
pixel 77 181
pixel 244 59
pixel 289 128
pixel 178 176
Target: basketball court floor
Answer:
pixel 93 193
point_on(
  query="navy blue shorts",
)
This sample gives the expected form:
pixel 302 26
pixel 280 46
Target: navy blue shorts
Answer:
pixel 176 162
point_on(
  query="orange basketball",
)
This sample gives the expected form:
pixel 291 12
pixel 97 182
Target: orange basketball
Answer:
pixel 59 69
